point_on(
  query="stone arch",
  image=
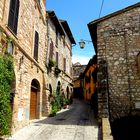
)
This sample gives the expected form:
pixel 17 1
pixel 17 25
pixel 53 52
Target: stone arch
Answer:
pixel 58 88
pixel 71 92
pixel 59 83
pixel 50 88
pixel 50 98
pixel 35 84
pixel 34 99
pixel 67 89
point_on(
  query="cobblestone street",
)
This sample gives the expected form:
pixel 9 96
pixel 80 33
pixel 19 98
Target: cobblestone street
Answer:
pixel 75 123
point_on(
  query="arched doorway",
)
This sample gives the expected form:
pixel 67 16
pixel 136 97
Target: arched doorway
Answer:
pixel 67 92
pixel 94 103
pixel 58 88
pixel 50 89
pixel 50 99
pixel 35 88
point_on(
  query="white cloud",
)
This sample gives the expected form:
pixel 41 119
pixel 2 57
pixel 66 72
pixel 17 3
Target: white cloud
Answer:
pixel 83 60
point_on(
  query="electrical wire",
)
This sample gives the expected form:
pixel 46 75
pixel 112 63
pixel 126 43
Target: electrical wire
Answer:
pixel 101 8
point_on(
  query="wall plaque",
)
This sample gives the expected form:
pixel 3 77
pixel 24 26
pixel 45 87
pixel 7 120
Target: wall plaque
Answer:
pixel 137 105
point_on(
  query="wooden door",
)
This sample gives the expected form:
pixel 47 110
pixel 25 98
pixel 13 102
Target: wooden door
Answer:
pixel 33 104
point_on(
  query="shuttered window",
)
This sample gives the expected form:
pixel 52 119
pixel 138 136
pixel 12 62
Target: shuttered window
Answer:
pixel 57 58
pixel 71 71
pixel 51 50
pixel 57 35
pixel 64 64
pixel 13 15
pixel 64 43
pixel 36 43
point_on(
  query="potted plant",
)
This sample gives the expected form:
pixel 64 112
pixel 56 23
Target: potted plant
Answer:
pixel 57 70
pixel 51 63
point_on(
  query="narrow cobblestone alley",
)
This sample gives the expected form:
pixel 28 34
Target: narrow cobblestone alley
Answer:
pixel 75 123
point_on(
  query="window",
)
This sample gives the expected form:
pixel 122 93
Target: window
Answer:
pixel 57 34
pixel 57 58
pixel 70 52
pixel 51 50
pixel 64 43
pixel 13 15
pixel 64 64
pixel 10 48
pixel 71 71
pixel 58 88
pixel 36 43
pixel 94 75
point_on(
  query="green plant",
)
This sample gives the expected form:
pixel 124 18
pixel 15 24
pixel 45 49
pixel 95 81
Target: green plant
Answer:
pixel 51 63
pixel 57 70
pixel 56 104
pixel 66 101
pixel 9 39
pixel 1 30
pixel 6 78
pixel 54 109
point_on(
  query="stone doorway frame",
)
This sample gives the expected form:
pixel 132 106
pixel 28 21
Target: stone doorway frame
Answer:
pixel 36 86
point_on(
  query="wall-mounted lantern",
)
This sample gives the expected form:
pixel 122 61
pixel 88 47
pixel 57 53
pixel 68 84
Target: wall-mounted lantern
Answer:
pixel 82 43
pixel 10 48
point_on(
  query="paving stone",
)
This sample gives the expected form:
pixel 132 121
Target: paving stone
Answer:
pixel 77 123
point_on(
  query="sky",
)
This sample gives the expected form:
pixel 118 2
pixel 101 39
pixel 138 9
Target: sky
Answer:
pixel 78 14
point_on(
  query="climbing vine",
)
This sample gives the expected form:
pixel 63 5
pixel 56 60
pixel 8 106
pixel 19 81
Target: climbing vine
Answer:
pixel 6 78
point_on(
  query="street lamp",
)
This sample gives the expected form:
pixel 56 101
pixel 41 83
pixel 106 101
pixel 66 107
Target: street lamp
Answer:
pixel 83 42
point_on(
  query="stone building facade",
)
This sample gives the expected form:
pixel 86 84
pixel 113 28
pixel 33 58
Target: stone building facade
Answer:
pixel 89 79
pixel 29 33
pixel 23 24
pixel 59 58
pixel 78 69
pixel 116 39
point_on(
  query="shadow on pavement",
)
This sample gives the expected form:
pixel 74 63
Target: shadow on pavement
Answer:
pixel 79 113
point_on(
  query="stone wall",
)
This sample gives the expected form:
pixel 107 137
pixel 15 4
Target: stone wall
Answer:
pixel 31 18
pixel 64 50
pixel 118 39
pixel 64 77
